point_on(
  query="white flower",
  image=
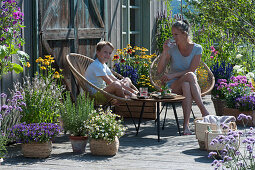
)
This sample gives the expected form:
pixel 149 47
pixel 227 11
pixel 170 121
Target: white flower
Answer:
pixel 236 67
pixel 240 70
pixel 238 56
pixel 250 75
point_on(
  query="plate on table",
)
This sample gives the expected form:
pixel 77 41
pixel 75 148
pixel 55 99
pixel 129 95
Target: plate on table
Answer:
pixel 168 96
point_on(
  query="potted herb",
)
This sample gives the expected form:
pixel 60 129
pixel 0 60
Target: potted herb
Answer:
pixel 104 129
pixel 35 138
pixel 73 116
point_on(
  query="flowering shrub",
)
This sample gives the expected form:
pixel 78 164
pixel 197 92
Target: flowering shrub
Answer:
pixel 238 86
pixel 220 70
pixel 135 64
pixel 104 126
pixel 10 110
pixel 35 132
pixel 238 151
pixel 42 94
pixel 10 37
pixel 245 103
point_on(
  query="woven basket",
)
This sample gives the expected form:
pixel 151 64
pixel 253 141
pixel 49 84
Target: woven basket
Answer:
pixel 201 128
pixel 36 150
pixel 209 136
pixel 102 147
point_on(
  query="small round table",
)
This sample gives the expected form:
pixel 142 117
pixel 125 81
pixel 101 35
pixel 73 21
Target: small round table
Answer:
pixel 172 100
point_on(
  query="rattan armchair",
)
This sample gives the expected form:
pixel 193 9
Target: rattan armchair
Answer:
pixel 204 75
pixel 78 64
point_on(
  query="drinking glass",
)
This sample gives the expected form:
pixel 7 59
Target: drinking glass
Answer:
pixel 171 43
pixel 143 91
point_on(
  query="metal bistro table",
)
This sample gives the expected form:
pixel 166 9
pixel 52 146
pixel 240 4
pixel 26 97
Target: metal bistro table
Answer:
pixel 173 100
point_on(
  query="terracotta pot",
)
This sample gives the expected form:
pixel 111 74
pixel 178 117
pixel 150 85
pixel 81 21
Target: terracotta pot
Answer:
pixel 36 150
pixel 236 112
pixel 218 106
pixel 103 147
pixel 78 143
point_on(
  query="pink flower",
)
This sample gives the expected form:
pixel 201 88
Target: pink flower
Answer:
pixel 211 57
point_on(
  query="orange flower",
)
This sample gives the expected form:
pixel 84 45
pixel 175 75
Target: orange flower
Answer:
pixel 28 64
pixel 43 68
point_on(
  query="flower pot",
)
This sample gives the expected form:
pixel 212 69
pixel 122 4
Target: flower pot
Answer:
pixel 236 112
pixel 1 160
pixel 36 150
pixel 218 106
pixel 103 147
pixel 78 143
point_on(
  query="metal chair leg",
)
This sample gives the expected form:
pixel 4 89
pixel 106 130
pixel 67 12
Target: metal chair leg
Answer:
pixel 193 114
pixel 165 117
pixel 176 118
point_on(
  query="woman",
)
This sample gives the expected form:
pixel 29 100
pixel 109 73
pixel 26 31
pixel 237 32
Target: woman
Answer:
pixel 99 74
pixel 185 57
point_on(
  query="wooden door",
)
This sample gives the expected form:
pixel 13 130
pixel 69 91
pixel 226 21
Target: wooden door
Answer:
pixel 70 26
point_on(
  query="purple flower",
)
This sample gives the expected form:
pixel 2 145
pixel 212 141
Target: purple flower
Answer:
pixel 212 154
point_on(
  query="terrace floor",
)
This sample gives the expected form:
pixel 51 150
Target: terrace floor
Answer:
pixel 135 152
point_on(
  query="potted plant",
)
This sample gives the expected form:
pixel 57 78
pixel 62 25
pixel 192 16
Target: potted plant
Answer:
pixel 238 96
pixel 73 116
pixel 35 138
pixel 104 129
pixel 221 71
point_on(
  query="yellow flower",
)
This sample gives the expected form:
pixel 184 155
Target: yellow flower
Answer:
pixel 129 46
pixel 144 49
pixel 56 75
pixel 39 60
pixel 47 56
pixel 60 70
pixel 28 64
pixel 146 65
pixel 47 63
pixel 43 68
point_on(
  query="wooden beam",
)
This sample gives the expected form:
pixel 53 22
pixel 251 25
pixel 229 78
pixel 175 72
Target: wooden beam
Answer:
pixel 101 22
pixel 68 33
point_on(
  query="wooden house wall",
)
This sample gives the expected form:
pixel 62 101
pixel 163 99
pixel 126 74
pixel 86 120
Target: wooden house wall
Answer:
pixel 43 17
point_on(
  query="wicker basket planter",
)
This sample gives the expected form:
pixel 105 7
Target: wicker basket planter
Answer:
pixel 36 150
pixel 209 136
pixel 78 143
pixel 201 128
pixel 236 112
pixel 103 147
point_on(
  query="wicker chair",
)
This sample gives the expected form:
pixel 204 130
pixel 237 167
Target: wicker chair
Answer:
pixel 78 64
pixel 204 75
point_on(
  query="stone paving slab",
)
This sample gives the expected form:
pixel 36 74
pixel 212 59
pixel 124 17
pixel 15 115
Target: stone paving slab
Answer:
pixel 136 152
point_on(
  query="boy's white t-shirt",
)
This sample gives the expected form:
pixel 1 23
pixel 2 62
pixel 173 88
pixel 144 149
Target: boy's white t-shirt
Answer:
pixel 93 72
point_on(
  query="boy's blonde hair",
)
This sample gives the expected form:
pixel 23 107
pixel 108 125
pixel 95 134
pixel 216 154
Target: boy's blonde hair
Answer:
pixel 101 45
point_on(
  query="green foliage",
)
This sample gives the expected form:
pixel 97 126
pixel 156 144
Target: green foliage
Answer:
pixel 3 141
pixel 10 38
pixel 226 25
pixel 101 125
pixel 42 98
pixel 164 23
pixel 74 115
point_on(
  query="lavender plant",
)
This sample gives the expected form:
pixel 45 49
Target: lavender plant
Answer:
pixel 11 110
pixel 34 132
pixel 238 152
pixel 74 114
pixel 10 37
